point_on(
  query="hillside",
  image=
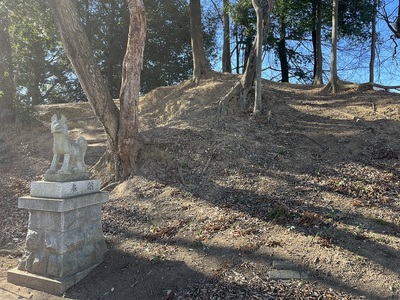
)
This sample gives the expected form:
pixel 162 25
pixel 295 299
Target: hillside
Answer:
pixel 314 181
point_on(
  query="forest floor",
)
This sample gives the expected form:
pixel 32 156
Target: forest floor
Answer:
pixel 313 181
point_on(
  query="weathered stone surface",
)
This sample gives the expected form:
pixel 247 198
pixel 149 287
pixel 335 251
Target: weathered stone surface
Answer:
pixel 64 237
pixel 39 263
pixel 66 177
pixel 55 286
pixel 48 189
pixel 62 221
pixel 34 240
pixel 53 251
pixel 90 214
pixel 53 242
pixel 94 232
pixel 61 205
pixel 64 265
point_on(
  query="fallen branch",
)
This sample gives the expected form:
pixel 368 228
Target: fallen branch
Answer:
pixel 206 166
pixel 181 175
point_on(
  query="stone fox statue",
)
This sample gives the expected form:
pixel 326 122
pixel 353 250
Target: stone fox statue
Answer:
pixel 74 152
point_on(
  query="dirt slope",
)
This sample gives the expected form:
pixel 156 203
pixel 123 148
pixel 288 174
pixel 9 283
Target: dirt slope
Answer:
pixel 314 181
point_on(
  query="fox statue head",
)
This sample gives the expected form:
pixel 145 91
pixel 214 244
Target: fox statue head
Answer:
pixel 59 125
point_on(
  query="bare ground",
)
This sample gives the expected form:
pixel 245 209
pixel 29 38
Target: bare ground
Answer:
pixel 313 181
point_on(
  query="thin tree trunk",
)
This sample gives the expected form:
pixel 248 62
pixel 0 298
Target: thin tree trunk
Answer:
pixel 248 44
pixel 111 43
pixel 237 51
pixel 226 52
pixel 333 65
pixel 259 43
pixel 397 25
pixel 34 87
pixel 7 85
pixel 317 44
pixel 130 88
pixel 373 44
pixel 282 50
pixel 201 66
pixel 333 84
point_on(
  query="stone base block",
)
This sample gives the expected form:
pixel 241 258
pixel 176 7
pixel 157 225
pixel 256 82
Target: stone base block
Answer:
pixel 66 177
pixel 54 286
pixel 67 189
pixel 62 205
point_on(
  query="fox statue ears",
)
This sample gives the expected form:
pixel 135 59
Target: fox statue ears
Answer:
pixel 55 118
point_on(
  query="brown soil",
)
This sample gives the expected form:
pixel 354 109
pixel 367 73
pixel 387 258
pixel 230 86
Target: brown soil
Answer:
pixel 313 181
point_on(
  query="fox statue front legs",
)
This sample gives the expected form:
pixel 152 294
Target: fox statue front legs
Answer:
pixel 52 169
pixel 65 166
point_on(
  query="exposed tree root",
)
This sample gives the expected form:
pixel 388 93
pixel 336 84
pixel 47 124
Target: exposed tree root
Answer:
pixel 344 85
pixel 224 107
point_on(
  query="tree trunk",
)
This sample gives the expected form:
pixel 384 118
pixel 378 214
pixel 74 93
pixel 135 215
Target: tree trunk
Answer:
pixel 130 88
pixel 236 34
pixel 77 48
pixel 201 66
pixel 333 84
pixel 242 87
pixel 397 23
pixel 373 44
pixel 111 48
pixel 226 52
pixel 7 85
pixel 34 90
pixel 317 44
pixel 259 43
pixel 282 53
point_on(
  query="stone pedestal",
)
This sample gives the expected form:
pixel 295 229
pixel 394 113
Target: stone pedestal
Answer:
pixel 65 239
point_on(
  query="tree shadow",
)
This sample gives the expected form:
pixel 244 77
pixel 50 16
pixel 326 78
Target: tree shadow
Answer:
pixel 126 276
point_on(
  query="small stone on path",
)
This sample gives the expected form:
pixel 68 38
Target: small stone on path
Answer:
pixel 285 270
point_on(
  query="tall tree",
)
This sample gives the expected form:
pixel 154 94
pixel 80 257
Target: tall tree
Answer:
pixel 41 71
pixel 130 89
pixel 373 44
pixel 333 84
pixel 79 51
pixel 262 8
pixel 243 19
pixel 317 40
pixel 106 24
pixel 226 51
pixel 201 66
pixel 121 130
pixel 282 12
pixel 168 32
pixel 7 86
